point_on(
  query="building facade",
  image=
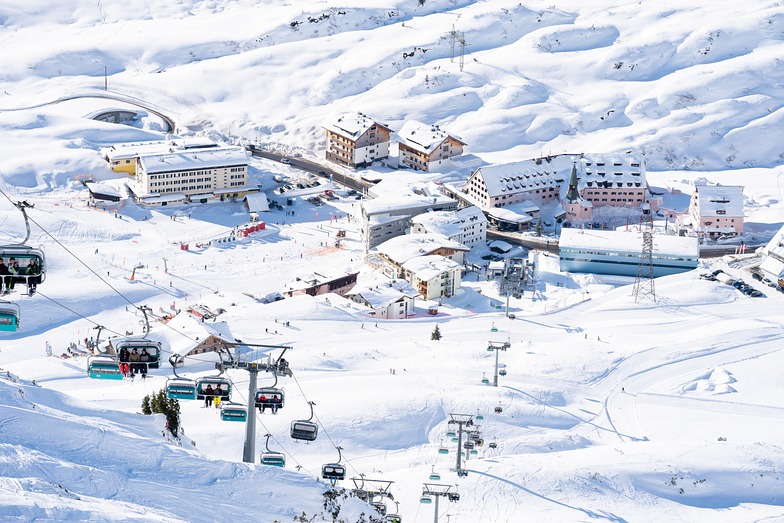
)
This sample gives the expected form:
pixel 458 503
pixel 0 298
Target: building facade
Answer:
pixel 356 140
pixel 467 226
pixel 425 147
pixel 717 210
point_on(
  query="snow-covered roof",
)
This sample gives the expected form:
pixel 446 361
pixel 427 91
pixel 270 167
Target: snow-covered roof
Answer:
pixel 450 223
pixel 103 188
pixel 628 242
pixel 257 202
pixel 394 204
pixel 385 293
pixel 720 200
pixel 423 137
pixel 773 252
pixel 428 267
pixel 403 248
pixel 552 171
pixel 511 213
pixel 351 125
pixel 183 332
pixel 195 159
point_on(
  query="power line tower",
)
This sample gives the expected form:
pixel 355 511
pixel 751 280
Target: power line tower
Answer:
pixel 453 37
pixel 644 287
pixel 462 50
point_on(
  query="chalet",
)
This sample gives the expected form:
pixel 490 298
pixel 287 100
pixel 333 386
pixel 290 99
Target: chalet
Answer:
pixel 717 210
pixel 188 335
pixel 423 147
pixel 399 250
pixel 388 300
pixel 434 276
pixel 356 140
pixel 467 226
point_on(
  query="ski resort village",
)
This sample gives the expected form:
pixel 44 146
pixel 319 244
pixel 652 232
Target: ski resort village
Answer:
pixel 440 260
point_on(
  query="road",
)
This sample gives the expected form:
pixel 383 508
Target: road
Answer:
pixel 314 168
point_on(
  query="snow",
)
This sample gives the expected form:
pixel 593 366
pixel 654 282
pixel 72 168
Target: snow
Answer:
pixel 612 410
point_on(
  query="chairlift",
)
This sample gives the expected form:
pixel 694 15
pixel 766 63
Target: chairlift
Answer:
pixel 442 449
pixel 451 434
pixel 10 315
pixel 493 445
pixel 485 381
pixel 269 397
pixel 126 347
pixel 334 471
pixel 24 256
pixel 396 517
pixel 273 459
pixel 473 452
pixel 434 476
pixel 502 372
pixel 304 429
pixel 104 367
pixel 180 389
pixel 468 445
pixel 499 410
pixel 479 417
pixel 493 329
pixel 461 473
pixel 234 412
pixel 425 499
pixel 453 497
pixel 216 383
pixel 380 507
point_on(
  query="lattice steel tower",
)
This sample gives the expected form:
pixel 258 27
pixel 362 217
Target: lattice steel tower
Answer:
pixel 644 287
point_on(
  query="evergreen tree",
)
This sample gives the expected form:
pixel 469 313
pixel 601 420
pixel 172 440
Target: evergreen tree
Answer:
pixel 436 334
pixel 146 409
pixel 158 403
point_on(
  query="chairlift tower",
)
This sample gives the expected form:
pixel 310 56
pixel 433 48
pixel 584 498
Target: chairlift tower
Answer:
pixel 249 448
pixel 437 490
pixel 496 346
pixel 462 421
pixel 644 287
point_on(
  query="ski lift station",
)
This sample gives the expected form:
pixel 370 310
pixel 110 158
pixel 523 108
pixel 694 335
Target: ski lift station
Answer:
pixel 619 252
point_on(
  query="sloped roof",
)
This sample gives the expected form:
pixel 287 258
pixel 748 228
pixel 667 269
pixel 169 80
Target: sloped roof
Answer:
pixel 257 202
pixel 394 204
pixel 352 125
pixel 428 267
pixel 183 332
pixel 423 137
pixel 449 223
pixel 552 171
pixel 403 248
pixel 385 293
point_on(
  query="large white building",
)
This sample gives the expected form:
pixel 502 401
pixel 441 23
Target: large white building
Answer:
pixel 602 179
pixel 716 210
pixel 390 215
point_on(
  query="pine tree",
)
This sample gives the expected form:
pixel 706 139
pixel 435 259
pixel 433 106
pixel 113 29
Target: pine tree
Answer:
pixel 146 409
pixel 436 334
pixel 158 403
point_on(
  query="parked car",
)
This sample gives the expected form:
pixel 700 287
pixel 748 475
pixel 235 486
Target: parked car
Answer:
pixel 756 294
pixel 286 161
pixel 757 276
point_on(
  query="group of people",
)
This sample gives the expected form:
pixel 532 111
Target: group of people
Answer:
pixel 134 362
pixel 212 397
pixel 273 402
pixel 12 273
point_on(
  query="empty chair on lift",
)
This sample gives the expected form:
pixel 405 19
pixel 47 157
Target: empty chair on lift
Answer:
pixel 434 476
pixel 425 499
pixel 234 412
pixel 180 389
pixel 493 445
pixel 103 367
pixel 380 507
pixel 273 459
pixel 9 316
pixel 468 445
pixel 304 430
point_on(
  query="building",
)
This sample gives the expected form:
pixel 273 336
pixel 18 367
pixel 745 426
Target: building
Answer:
pixel 423 147
pixel 314 284
pixel 390 216
pixel 123 157
pixel 356 140
pixel 433 276
pixel 188 335
pixel 717 210
pixel 618 252
pixel 388 300
pixel 602 179
pixel 467 226
pixel 773 258
pixel 397 252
